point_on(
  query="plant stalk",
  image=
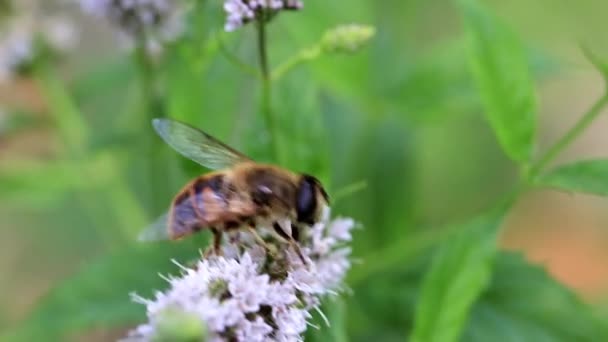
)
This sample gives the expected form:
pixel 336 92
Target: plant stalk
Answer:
pixel 581 125
pixel 267 89
pixel 153 170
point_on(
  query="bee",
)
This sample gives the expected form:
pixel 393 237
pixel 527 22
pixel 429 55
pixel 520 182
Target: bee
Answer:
pixel 239 194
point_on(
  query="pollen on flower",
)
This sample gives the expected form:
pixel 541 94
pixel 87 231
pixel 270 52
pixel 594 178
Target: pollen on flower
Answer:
pixel 251 295
pixel 241 12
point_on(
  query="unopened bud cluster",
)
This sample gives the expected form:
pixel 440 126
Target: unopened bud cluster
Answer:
pixel 347 38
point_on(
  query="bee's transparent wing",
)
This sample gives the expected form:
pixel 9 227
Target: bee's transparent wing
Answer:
pixel 197 145
pixel 157 231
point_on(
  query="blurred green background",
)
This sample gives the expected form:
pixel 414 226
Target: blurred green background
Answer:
pixel 81 172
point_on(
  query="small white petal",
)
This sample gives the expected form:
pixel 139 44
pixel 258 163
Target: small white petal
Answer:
pixel 228 293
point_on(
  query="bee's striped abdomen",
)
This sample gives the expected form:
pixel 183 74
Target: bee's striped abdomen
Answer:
pixel 183 219
pixel 199 205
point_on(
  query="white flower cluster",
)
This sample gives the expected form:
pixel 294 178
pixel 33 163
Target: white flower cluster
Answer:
pixel 24 29
pixel 248 295
pixel 241 12
pixel 156 21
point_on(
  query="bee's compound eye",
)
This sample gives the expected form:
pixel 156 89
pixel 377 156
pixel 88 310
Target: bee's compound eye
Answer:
pixel 306 200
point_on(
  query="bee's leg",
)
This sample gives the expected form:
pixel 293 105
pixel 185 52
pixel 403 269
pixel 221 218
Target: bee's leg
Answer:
pixel 217 243
pixel 295 232
pixel 259 239
pixel 291 239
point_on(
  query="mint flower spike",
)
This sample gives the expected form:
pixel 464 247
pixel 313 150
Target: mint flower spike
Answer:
pixel 155 22
pixel 347 38
pixel 241 12
pixel 248 295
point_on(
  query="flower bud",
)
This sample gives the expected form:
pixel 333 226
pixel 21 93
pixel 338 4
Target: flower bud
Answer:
pixel 179 326
pixel 347 38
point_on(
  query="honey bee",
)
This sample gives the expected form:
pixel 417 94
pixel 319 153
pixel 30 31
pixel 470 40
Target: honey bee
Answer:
pixel 239 194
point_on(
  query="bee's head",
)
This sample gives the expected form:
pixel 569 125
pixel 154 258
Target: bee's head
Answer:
pixel 310 200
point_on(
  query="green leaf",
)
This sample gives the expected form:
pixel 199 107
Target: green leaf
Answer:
pixel 98 296
pixel 101 78
pixel 523 303
pixel 590 176
pixel 337 315
pixel 501 72
pixel 335 310
pixel 459 273
pixel 303 137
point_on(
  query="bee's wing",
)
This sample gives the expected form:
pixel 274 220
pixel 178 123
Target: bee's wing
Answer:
pixel 157 231
pixel 198 145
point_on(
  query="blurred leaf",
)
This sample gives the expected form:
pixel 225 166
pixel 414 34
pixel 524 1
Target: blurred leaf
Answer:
pixel 14 122
pixel 383 155
pixel 435 86
pixel 523 303
pixel 40 184
pixel 304 142
pixel 337 316
pixel 75 135
pixel 71 128
pixel 402 253
pixel 102 78
pixel 460 271
pixel 334 308
pixel 503 79
pixel 98 296
pixel 589 176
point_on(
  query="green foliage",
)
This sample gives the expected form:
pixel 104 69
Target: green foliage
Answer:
pixel 520 302
pixel 98 296
pixel 336 312
pixel 27 182
pixel 523 303
pixel 396 116
pixel 459 273
pixel 590 176
pixel 503 78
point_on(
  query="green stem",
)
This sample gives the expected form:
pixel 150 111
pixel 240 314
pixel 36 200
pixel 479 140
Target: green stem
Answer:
pixel 153 170
pixel 347 191
pixel 232 58
pixel 569 137
pixel 146 80
pixel 301 57
pixel 262 47
pixel 267 89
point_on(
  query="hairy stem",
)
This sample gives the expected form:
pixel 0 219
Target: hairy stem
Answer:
pixel 153 169
pixel 580 126
pixel 267 89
